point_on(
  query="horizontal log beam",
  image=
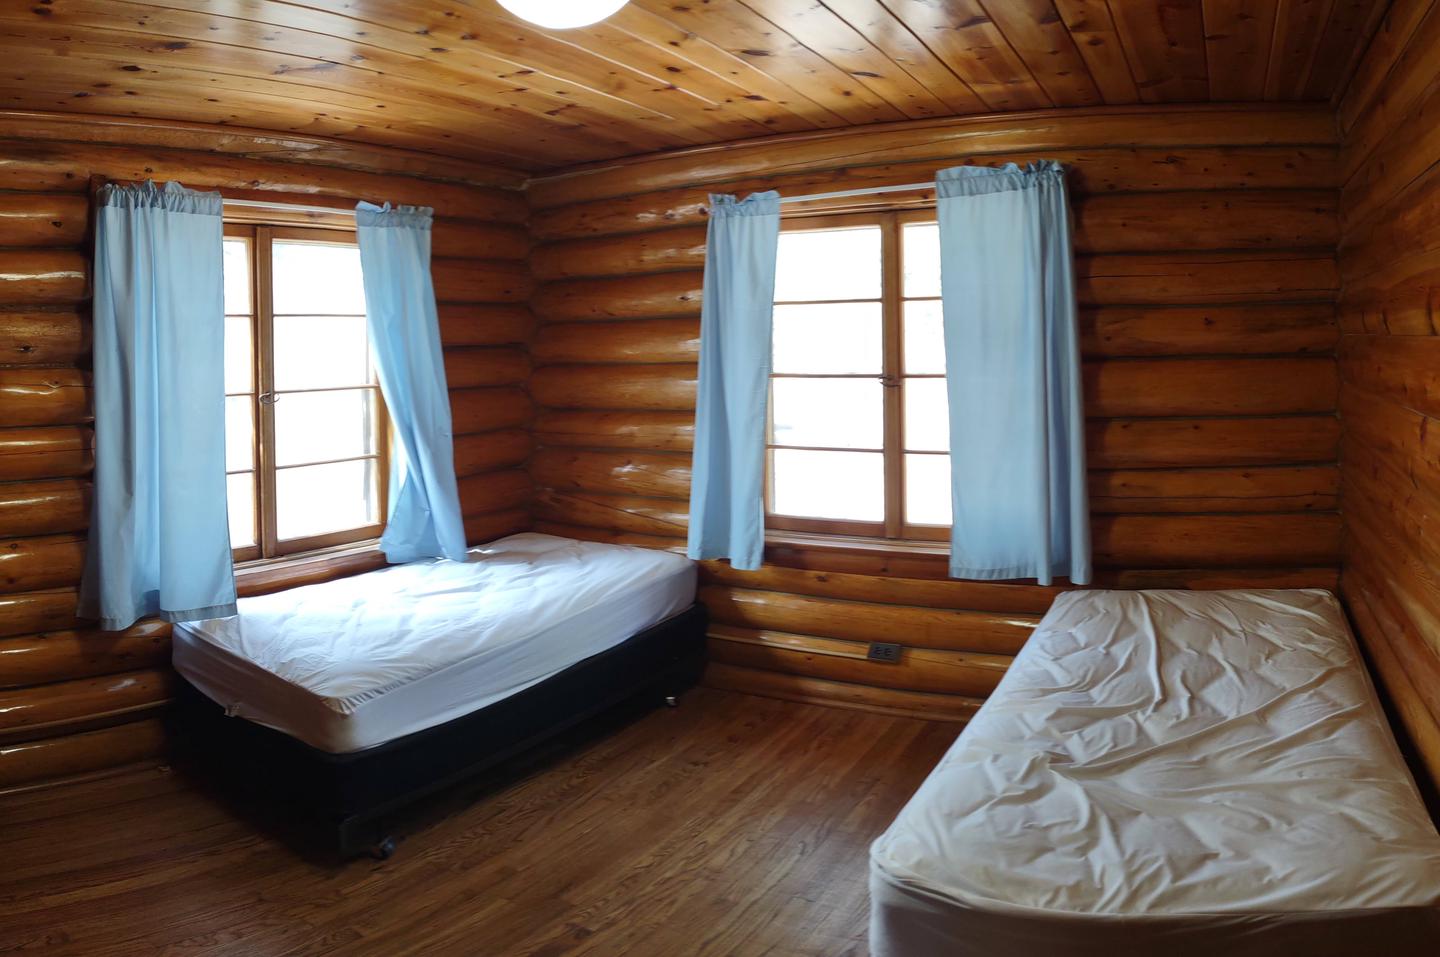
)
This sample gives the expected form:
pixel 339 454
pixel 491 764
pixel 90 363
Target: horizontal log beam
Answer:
pixel 919 669
pixel 488 526
pixel 484 410
pixel 1403 369
pixel 913 626
pixel 468 239
pixel 1105 333
pixel 69 655
pixel 474 366
pixel 41 396
pixel 1217 541
pixel 1211 442
pixel 1169 222
pixel 952 140
pixel 633 473
pixel 1113 388
pixel 44 508
pixel 494 491
pixel 659 387
pixel 33 337
pixel 43 277
pixel 487 451
pixel 807 690
pixel 35 564
pixel 886 589
pixel 1091 172
pixel 624 513
pixel 64 707
pixel 43 219
pixel 1111 443
pixel 1273 489
pixel 653 431
pixel 480 280
pixel 31 762
pixel 25 613
pixel 484 324
pixel 47 452
pixel 1167 279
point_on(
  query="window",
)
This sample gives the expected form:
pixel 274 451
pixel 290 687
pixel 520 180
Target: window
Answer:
pixel 305 428
pixel 859 431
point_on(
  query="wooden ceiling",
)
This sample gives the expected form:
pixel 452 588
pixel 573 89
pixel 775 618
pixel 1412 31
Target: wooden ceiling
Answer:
pixel 465 79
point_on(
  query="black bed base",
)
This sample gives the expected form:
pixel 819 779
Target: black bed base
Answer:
pixel 347 797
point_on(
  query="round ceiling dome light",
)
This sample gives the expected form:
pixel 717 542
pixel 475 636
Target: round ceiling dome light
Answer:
pixel 562 14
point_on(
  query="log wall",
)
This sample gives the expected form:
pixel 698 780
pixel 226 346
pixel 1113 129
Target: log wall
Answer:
pixel 1207 279
pixel 73 699
pixel 1389 356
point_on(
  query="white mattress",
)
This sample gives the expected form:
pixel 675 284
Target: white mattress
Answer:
pixel 1169 773
pixel 356 662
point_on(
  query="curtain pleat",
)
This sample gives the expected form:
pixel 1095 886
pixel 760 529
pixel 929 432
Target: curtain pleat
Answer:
pixel 424 519
pixel 727 505
pixel 1017 427
pixel 159 541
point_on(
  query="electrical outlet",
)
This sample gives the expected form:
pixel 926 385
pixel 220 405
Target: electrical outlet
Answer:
pixel 883 651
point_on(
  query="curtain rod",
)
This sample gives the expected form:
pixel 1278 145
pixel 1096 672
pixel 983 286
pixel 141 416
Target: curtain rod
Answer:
pixel 286 207
pixel 840 194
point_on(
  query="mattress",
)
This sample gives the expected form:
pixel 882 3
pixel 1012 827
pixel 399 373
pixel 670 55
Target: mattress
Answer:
pixel 1168 772
pixel 356 662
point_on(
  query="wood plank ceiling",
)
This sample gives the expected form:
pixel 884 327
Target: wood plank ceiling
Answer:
pixel 465 79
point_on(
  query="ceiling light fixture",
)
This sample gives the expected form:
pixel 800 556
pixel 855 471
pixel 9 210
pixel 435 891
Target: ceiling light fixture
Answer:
pixel 562 14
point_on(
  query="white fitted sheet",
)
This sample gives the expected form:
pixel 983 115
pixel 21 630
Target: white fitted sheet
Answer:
pixel 1172 773
pixel 355 662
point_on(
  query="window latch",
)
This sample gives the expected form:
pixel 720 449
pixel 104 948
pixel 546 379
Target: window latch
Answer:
pixel 267 398
pixel 890 381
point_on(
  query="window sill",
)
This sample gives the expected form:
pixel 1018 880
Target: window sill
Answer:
pixel 264 575
pixel 856 544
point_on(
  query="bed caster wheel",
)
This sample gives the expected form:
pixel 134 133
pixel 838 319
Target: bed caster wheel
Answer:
pixel 382 849
pixel 671 701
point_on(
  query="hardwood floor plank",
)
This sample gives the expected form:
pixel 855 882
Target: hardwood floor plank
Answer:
pixel 733 825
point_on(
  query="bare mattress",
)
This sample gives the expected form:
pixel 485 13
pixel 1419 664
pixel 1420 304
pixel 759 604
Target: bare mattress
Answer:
pixel 1168 772
pixel 356 662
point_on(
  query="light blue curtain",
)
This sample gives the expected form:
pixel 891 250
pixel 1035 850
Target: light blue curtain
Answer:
pixel 424 519
pixel 727 503
pixel 1017 427
pixel 159 531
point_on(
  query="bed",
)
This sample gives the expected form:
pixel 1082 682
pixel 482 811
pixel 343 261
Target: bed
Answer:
pixel 1168 772
pixel 351 698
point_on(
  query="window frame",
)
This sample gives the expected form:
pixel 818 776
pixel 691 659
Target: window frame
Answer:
pixel 268 546
pixel 893 379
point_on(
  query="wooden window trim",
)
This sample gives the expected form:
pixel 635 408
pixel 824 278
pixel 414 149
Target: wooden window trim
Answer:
pixel 893 530
pixel 269 549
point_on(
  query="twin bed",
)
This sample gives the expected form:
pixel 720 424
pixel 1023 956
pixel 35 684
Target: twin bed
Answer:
pixel 1168 772
pixel 1159 772
pixel 362 694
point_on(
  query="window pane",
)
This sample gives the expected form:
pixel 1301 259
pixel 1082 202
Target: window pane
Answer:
pixel 840 485
pixel 317 277
pixel 325 498
pixel 316 426
pixel 924 338
pixel 927 489
pixel 240 492
pixel 841 413
pixel 921 246
pixel 239 363
pixel 840 338
pixel 927 416
pixel 828 264
pixel 321 352
pixel 239 433
pixel 236 265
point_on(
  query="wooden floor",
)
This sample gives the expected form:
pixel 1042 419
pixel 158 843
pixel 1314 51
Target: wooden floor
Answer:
pixel 732 825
